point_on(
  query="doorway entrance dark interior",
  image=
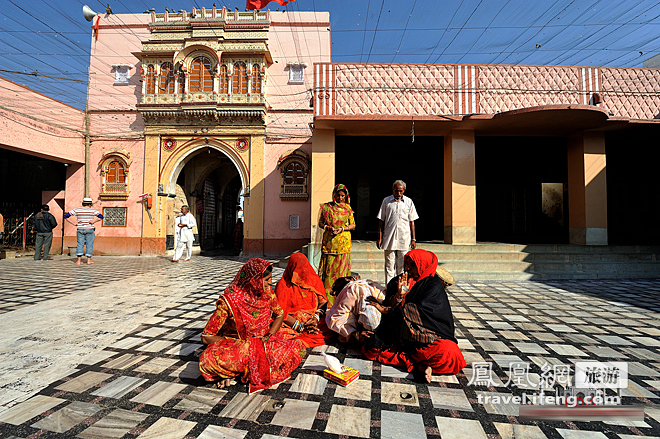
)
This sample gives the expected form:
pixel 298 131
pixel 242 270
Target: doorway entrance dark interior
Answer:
pixel 369 165
pixel 522 185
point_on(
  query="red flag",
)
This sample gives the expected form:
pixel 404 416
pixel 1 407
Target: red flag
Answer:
pixel 96 27
pixel 260 4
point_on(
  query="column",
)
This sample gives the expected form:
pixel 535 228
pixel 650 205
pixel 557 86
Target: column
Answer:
pixel 587 189
pixel 460 202
pixel 253 241
pixel 153 233
pixel 322 173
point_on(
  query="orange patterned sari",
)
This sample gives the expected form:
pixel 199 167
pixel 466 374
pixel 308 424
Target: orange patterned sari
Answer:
pixel 243 314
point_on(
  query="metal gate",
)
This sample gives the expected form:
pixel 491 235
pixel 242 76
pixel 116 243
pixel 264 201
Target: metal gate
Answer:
pixel 19 225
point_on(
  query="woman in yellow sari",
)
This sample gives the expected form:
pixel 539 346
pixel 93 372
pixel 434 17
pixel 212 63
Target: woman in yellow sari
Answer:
pixel 336 220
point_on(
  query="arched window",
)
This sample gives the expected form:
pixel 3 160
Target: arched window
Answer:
pixel 294 173
pixel 239 79
pixel 166 81
pixel 201 75
pixel 224 80
pixel 151 80
pixel 116 173
pixel 256 79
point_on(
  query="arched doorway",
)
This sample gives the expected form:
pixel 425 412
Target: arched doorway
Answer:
pixel 208 180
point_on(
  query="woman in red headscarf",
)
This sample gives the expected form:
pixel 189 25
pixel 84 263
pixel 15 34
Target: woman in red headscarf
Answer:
pixel 417 329
pixel 336 221
pixel 301 295
pixel 242 336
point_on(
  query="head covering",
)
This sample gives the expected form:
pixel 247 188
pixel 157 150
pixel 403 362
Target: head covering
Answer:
pixel 425 261
pixel 87 200
pixel 300 272
pixel 445 275
pixel 341 187
pixel 249 280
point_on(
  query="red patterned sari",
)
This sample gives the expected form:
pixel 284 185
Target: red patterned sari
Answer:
pixel 243 315
pixel 300 293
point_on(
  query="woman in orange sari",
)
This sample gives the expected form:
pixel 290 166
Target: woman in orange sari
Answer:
pixel 336 221
pixel 242 337
pixel 301 295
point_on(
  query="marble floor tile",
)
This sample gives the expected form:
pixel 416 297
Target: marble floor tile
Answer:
pixel 605 352
pixel 653 383
pixel 84 382
pixel 526 326
pixel 641 353
pixel 153 320
pixel 646 341
pixel 401 425
pixel 515 318
pixel 159 393
pixel 217 432
pixel 472 324
pixel 496 406
pixel 513 335
pixel 184 349
pixel 493 346
pixel 545 336
pixel 127 343
pixel 500 325
pixel 559 328
pixel 529 348
pixel 581 338
pixel 515 431
pixel 325 348
pixel 565 349
pixel 190 370
pixel 634 436
pixel 580 434
pixel 635 368
pixel 453 428
pixel 156 366
pixel 637 391
pixel 297 414
pixel 27 410
pixel 473 357
pixel 349 421
pixel 464 315
pixel 615 340
pixel 168 428
pixel 244 406
pixel 174 322
pixel 364 366
pixel 124 362
pixel 482 333
pixel 180 334
pixel 114 425
pixel 393 372
pixel 97 356
pixel 309 383
pixel 505 361
pixel 649 331
pixel 153 332
pixel 465 345
pixel 358 389
pixel 156 346
pixel 67 417
pixel 201 400
pixel 314 362
pixel 450 399
pixel 444 379
pixel 119 387
pixel 398 394
pixel 621 330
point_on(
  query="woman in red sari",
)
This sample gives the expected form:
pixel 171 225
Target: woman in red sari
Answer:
pixel 301 295
pixel 242 337
pixel 417 328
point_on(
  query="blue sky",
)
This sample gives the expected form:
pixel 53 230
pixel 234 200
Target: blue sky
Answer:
pixel 52 38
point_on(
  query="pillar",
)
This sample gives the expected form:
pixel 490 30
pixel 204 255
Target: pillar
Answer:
pixel 322 173
pixel 153 228
pixel 253 241
pixel 460 190
pixel 587 188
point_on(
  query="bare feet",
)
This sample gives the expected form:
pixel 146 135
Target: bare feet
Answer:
pixel 223 383
pixel 424 372
pixel 89 262
pixel 78 261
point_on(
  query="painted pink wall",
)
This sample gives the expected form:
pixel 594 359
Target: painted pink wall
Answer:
pixel 34 124
pixel 293 37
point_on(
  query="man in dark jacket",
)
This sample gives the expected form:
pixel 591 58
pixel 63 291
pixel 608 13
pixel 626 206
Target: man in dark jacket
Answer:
pixel 44 223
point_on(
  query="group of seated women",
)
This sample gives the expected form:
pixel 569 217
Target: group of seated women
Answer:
pixel 261 334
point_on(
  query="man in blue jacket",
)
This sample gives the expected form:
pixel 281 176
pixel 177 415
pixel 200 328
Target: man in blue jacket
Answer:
pixel 44 222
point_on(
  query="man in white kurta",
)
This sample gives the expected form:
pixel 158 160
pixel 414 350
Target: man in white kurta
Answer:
pixel 396 230
pixel 183 233
pixel 351 313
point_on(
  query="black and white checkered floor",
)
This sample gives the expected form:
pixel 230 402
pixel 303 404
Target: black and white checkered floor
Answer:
pixel 147 384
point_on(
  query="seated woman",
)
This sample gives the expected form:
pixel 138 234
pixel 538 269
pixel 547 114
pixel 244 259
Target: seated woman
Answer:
pixel 417 329
pixel 242 336
pixel 352 313
pixel 301 295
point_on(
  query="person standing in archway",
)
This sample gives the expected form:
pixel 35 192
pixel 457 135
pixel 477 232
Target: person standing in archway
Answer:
pixel 396 229
pixel 183 232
